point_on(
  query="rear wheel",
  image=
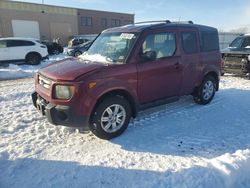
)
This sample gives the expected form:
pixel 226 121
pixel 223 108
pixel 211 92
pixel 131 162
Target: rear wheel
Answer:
pixel 111 117
pixel 33 59
pixel 206 91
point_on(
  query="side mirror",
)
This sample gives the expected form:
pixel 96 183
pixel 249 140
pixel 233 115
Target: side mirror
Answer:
pixel 149 55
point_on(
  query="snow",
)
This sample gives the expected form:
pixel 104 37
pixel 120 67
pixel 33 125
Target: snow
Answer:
pixel 95 57
pixel 14 71
pixel 181 145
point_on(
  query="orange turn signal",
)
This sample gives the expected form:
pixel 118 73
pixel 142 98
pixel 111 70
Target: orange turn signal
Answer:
pixel 92 85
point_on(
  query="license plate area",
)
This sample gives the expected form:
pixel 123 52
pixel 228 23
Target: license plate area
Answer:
pixel 40 104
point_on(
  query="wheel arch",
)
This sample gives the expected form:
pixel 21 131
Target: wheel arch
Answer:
pixel 210 73
pixel 118 92
pixel 215 76
pixel 32 52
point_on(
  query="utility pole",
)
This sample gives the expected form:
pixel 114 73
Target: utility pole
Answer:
pixel 43 6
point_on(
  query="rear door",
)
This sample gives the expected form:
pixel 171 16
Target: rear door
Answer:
pixel 161 77
pixel 190 58
pixel 3 50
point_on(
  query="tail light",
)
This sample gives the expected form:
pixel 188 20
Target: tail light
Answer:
pixel 43 46
pixel 222 63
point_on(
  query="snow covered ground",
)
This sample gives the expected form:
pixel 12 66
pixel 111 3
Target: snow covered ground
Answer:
pixel 13 71
pixel 180 145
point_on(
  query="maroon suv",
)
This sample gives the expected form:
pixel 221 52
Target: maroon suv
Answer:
pixel 128 69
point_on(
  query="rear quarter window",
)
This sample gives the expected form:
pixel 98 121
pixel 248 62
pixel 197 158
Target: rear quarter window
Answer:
pixel 209 41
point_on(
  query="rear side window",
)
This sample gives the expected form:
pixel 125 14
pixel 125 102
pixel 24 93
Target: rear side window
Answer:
pixel 189 42
pixel 162 43
pixel 16 43
pixel 209 41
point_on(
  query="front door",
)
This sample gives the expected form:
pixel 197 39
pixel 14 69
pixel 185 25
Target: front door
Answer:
pixel 160 76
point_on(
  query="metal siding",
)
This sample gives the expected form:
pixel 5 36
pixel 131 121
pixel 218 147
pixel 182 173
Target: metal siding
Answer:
pixel 37 8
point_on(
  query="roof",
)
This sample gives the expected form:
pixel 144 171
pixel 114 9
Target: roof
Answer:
pixel 144 26
pixel 18 38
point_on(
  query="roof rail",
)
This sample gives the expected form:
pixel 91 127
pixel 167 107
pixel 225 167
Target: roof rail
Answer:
pixel 166 22
pixel 183 22
pixel 156 21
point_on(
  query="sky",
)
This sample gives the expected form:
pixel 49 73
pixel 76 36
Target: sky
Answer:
pixel 225 15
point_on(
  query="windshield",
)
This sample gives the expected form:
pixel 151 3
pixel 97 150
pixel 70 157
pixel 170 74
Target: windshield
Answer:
pixel 237 43
pixel 110 48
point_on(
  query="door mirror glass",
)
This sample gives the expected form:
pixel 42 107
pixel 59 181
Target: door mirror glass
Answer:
pixel 149 55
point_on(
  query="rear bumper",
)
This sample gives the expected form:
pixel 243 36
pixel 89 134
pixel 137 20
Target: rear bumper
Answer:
pixel 59 114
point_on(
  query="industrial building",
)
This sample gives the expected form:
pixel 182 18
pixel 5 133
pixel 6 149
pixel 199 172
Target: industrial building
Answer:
pixel 47 22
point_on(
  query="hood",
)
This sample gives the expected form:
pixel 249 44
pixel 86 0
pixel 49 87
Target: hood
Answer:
pixel 69 69
pixel 243 51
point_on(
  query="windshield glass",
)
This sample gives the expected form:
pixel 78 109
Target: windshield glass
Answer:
pixel 237 42
pixel 110 48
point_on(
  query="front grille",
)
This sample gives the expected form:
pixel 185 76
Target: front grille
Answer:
pixel 44 82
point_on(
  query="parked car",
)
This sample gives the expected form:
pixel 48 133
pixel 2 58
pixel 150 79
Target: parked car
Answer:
pixel 128 69
pixel 77 41
pixel 54 48
pixel 78 50
pixel 22 50
pixel 236 56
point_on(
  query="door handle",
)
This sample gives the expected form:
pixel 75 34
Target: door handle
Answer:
pixel 177 65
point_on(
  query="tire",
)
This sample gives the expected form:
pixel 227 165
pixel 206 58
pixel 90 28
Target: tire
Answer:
pixel 110 118
pixel 33 59
pixel 206 91
pixel 77 53
pixel 56 52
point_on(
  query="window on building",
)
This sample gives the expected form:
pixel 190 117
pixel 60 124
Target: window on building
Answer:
pixel 189 42
pixel 126 22
pixel 162 43
pixel 104 22
pixel 86 21
pixel 115 22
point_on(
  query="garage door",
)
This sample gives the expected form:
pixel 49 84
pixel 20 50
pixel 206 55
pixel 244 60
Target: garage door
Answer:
pixel 25 28
pixel 61 30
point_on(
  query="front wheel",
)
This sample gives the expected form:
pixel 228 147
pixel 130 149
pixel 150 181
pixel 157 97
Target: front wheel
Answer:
pixel 206 91
pixel 77 53
pixel 111 117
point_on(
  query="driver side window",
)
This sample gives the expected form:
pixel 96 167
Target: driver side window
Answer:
pixel 246 42
pixel 163 44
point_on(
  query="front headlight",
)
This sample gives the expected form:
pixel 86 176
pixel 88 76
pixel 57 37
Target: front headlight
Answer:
pixel 64 91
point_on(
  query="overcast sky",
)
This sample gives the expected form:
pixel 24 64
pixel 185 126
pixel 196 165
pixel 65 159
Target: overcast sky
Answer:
pixel 223 14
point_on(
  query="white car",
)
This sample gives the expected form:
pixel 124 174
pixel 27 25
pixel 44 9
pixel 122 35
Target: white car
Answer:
pixel 22 49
